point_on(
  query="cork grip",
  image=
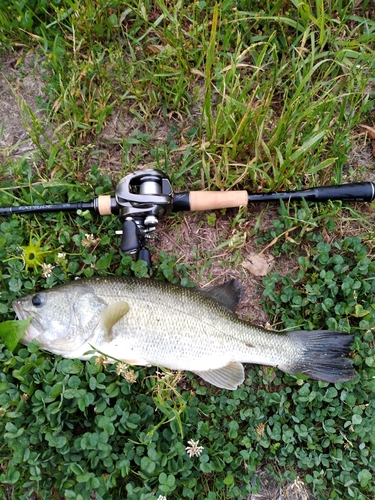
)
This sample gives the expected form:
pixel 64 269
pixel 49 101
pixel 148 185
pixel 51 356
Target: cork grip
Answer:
pixel 211 200
pixel 104 205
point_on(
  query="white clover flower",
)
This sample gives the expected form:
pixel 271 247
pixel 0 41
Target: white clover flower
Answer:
pixel 130 377
pixel 61 258
pixel 90 241
pixel 162 497
pixel 102 360
pixel 121 369
pixel 47 270
pixel 194 450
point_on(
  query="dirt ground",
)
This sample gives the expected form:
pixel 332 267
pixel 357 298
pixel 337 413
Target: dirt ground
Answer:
pixel 24 82
pixel 20 79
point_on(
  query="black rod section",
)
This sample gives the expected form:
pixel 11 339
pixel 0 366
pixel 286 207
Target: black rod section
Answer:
pixel 181 202
pixel 358 191
pixel 61 207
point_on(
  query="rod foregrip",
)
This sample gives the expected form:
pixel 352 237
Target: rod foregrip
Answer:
pixel 209 200
pixel 104 204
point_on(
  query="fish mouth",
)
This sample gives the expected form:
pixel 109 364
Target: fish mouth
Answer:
pixel 33 330
pixel 18 310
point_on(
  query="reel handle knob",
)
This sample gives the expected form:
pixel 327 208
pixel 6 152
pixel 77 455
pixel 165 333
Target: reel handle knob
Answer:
pixel 144 254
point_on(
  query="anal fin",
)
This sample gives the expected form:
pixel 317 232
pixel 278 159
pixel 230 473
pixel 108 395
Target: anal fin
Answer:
pixel 229 376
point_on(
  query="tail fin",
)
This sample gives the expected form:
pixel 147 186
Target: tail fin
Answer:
pixel 322 356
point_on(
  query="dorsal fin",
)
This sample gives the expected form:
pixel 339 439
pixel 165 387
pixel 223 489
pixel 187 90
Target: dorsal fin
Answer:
pixel 228 295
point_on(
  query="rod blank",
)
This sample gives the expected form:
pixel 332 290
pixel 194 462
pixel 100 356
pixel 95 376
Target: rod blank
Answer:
pixel 61 207
pixel 211 200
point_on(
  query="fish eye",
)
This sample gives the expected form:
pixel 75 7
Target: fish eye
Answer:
pixel 37 300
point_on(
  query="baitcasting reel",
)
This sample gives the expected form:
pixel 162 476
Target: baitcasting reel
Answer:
pixel 142 198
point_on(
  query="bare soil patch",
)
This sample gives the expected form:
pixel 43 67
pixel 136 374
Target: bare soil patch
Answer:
pixel 22 80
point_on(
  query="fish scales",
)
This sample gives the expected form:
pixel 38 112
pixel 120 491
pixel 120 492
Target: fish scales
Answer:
pixel 148 322
pixel 180 324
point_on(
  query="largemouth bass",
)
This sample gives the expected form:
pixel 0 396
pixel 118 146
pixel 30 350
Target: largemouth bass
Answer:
pixel 148 322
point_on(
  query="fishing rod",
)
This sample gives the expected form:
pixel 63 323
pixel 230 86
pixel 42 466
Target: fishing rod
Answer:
pixel 143 197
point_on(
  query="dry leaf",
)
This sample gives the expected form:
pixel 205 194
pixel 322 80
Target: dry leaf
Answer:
pixel 258 264
pixel 370 131
pixel 371 134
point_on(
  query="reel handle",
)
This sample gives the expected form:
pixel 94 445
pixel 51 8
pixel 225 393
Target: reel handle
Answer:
pixel 130 240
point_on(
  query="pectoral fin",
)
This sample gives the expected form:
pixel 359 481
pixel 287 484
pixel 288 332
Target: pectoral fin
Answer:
pixel 111 315
pixel 229 376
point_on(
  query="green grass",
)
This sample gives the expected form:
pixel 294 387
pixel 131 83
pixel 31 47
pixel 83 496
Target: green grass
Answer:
pixel 258 95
